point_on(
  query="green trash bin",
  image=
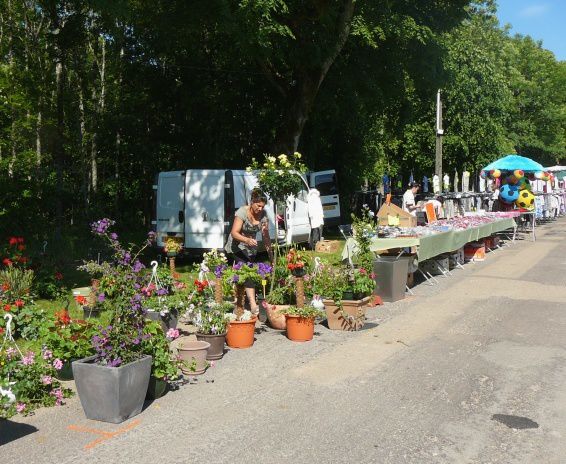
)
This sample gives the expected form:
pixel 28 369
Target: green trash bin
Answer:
pixel 391 276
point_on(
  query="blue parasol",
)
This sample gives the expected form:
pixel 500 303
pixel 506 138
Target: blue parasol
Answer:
pixel 512 162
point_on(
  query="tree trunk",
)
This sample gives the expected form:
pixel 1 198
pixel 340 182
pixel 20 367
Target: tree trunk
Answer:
pixel 306 84
pixel 58 145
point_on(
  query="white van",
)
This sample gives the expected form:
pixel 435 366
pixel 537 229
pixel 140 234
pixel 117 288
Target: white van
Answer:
pixel 198 205
pixel 325 182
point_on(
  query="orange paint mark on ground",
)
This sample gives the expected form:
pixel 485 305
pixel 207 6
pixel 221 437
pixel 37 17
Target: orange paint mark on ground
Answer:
pixel 104 434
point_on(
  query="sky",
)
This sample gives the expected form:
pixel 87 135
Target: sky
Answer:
pixel 541 19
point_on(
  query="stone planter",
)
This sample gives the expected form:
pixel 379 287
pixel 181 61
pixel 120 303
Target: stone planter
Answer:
pixel 156 388
pixel 169 321
pixel 216 350
pixel 111 394
pixel 351 317
pixel 196 351
pixel 275 317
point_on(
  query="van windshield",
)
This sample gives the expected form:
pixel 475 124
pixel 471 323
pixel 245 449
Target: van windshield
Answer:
pixel 326 184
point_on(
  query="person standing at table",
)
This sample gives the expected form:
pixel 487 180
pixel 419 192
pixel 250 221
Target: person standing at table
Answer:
pixel 409 203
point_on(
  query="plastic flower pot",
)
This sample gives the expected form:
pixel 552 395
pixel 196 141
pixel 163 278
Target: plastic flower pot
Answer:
pixel 66 372
pixel 216 349
pixel 112 394
pixel 240 334
pixel 299 329
pixel 193 351
pixel 169 321
pixel 90 312
pixel 156 388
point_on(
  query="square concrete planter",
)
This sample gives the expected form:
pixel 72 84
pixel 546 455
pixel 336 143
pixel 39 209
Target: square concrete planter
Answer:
pixel 111 394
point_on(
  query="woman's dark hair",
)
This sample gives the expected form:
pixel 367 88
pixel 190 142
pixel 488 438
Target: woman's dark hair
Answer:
pixel 413 184
pixel 257 196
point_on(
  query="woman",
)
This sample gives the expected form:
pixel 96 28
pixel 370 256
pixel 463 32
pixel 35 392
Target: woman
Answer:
pixel 242 243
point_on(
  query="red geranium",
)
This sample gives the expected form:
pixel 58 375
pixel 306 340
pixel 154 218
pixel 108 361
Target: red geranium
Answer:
pixel 5 287
pixel 201 285
pixel 1 330
pixel 63 317
pixel 13 241
pixel 81 300
pixel 58 276
pixel 19 303
pixel 20 240
pixel 7 307
pixel 7 262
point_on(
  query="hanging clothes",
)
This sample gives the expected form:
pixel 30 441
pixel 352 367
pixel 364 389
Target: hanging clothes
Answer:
pixel 425 184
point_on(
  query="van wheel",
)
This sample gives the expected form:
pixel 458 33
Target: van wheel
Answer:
pixel 314 238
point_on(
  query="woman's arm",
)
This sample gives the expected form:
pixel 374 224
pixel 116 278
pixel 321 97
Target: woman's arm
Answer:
pixel 236 233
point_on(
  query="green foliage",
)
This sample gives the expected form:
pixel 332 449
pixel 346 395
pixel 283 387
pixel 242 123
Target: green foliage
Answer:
pixel 307 311
pixel 364 227
pixel 279 177
pixel 155 344
pixel 30 380
pixel 68 341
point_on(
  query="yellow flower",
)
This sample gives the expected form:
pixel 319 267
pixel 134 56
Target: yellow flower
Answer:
pixel 271 159
pixel 282 157
pixel 297 155
pixel 249 169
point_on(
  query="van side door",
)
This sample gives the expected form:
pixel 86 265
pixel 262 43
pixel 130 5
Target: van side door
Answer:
pixel 326 183
pixel 297 216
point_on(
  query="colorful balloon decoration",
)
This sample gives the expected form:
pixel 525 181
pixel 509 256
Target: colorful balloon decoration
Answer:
pixel 519 174
pixel 526 199
pixel 483 174
pixel 508 193
pixel 539 175
pixel 512 179
pixel 495 173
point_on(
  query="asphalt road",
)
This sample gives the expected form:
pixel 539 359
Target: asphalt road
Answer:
pixel 472 370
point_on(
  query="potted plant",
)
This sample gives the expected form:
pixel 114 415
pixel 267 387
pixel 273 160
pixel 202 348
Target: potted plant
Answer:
pixel 112 384
pixel 300 322
pixel 277 300
pixel 164 366
pixel 216 262
pixel 211 321
pixel 337 287
pixel 28 382
pixel 67 340
pixel 241 326
pixel 173 246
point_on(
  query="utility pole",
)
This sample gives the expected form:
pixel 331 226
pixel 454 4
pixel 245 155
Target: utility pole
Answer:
pixel 439 134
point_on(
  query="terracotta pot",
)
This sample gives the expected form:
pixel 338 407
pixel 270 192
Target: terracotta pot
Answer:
pixel 350 317
pixel 240 334
pixel 216 350
pixel 299 329
pixel 193 350
pixel 275 318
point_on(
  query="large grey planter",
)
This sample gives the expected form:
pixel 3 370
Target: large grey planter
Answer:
pixel 111 394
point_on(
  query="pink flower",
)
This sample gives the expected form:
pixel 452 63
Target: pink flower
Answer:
pixel 29 359
pixel 20 407
pixel 10 353
pixel 172 334
pixel 47 354
pixel 46 379
pixel 58 394
pixel 58 364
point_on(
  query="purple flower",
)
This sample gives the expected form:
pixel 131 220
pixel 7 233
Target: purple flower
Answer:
pixel 114 236
pixel 115 362
pixel 101 297
pixel 138 266
pixel 47 354
pixel 235 279
pixel 237 266
pixel 220 270
pixel 162 291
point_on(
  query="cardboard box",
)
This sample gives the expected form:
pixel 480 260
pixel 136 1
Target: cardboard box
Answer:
pixel 327 246
pixel 391 214
pixel 474 251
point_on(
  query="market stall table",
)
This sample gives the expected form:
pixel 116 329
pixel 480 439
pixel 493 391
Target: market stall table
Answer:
pixel 429 246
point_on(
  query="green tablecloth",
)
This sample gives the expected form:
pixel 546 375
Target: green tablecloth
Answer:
pixel 433 245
